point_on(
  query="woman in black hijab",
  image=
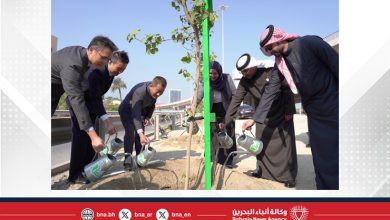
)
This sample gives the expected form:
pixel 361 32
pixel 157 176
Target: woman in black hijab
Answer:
pixel 221 91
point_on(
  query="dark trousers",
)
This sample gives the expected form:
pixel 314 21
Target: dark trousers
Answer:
pixel 324 143
pixel 131 137
pixel 222 153
pixel 56 92
pixel 82 152
pixel 220 113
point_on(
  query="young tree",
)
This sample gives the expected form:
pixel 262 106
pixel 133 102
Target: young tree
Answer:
pixel 192 14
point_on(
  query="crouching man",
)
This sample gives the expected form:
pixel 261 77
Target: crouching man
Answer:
pixel 135 112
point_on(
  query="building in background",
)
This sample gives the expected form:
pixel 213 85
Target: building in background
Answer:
pixel 333 40
pixel 174 95
pixel 54 42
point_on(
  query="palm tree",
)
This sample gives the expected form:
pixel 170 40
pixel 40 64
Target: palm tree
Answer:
pixel 118 84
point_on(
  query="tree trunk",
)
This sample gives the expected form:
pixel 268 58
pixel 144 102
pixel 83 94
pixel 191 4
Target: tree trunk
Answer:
pixel 193 106
pixel 120 94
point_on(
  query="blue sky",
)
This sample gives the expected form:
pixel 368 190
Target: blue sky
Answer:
pixel 76 22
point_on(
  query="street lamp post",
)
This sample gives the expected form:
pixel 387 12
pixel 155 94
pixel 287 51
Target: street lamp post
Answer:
pixel 222 8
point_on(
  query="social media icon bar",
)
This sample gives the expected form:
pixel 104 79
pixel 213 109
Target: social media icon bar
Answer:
pixel 162 214
pixel 87 214
pixel 124 214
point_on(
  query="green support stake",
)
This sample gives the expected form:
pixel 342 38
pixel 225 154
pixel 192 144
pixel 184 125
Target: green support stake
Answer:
pixel 206 97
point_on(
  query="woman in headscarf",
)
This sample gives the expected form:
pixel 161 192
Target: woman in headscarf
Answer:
pixel 278 159
pixel 311 67
pixel 221 90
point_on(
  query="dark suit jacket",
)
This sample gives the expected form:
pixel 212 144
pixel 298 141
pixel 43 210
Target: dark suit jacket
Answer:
pixel 99 83
pixel 138 104
pixel 69 68
pixel 314 67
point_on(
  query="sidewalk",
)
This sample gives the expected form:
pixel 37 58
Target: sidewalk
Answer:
pixel 305 177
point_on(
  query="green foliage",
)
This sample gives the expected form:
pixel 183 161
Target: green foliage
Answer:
pixel 112 107
pixel 118 84
pixel 109 104
pixel 62 104
pixel 133 35
pixel 175 5
pixel 187 59
pixel 185 35
pixel 186 74
pixel 213 57
pixel 152 41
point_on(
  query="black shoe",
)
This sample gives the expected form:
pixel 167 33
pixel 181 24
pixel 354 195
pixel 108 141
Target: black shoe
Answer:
pixel 229 166
pixel 80 180
pixel 128 163
pixel 289 184
pixel 256 174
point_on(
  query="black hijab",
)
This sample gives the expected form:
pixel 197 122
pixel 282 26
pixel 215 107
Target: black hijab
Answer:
pixel 221 84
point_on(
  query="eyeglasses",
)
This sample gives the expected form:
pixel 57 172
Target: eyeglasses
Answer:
pixel 105 58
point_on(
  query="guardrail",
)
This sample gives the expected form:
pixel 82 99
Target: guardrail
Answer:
pixel 158 113
pixel 173 105
pixel 168 106
pixel 61 127
pixel 65 113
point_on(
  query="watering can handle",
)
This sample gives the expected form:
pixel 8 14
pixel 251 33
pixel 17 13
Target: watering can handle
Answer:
pixel 144 146
pixel 108 139
pixel 223 130
pixel 94 157
pixel 96 154
pixel 243 132
pixel 116 135
pixel 105 146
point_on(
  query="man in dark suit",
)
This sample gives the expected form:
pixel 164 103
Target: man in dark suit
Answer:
pixel 311 67
pixel 68 74
pixel 100 80
pixel 135 112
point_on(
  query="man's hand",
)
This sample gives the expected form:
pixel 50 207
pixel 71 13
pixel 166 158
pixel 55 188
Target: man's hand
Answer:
pixel 248 124
pixel 144 140
pixel 97 142
pixel 146 121
pixel 288 117
pixel 109 126
pixel 221 126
